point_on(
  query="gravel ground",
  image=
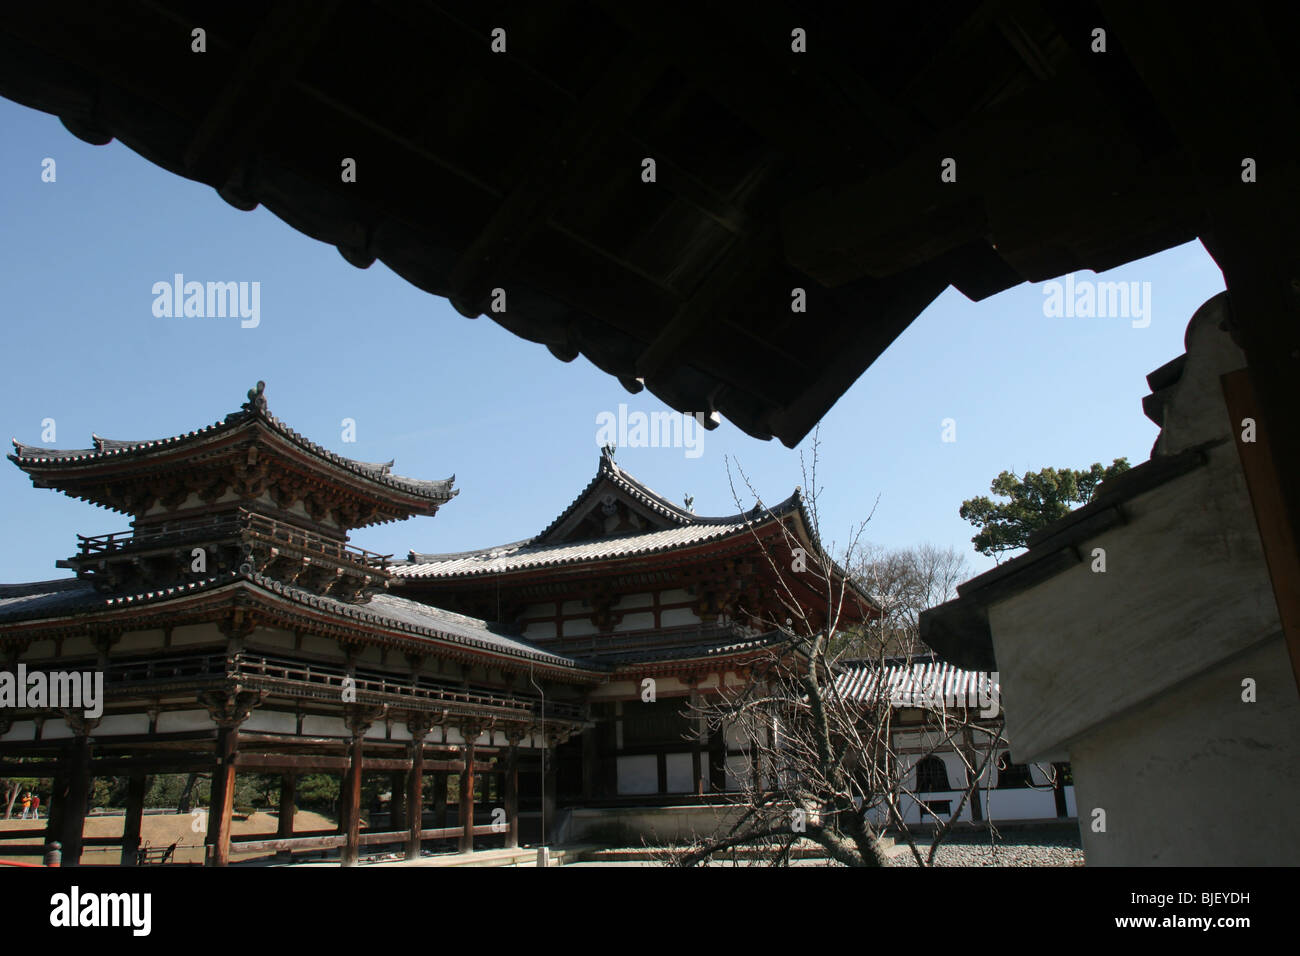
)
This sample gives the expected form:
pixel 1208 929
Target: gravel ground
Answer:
pixel 1016 848
pixel 1033 846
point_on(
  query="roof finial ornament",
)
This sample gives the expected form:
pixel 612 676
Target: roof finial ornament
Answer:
pixel 689 501
pixel 607 450
pixel 256 399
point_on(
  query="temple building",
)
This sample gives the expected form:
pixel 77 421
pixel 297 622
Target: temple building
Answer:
pixel 236 629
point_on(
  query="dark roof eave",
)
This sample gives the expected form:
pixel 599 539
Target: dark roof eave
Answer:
pixel 269 589
pixel 35 458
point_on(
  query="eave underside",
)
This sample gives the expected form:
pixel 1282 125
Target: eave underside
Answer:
pixel 776 171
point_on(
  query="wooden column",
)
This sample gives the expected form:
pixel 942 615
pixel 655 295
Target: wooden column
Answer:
pixel 973 758
pixel 440 799
pixel 470 733
pixel 512 792
pixel 397 787
pixel 284 828
pixel 590 764
pixel 54 813
pixel 223 796
pixel 698 758
pixel 135 790
pixel 419 728
pixel 358 721
pixel 549 776
pixel 1058 789
pixel 73 818
pixel 228 709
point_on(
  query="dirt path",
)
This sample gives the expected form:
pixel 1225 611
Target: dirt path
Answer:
pixel 159 830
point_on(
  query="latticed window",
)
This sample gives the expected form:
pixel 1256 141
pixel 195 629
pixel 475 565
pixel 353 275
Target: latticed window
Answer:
pixel 931 775
pixel 1013 774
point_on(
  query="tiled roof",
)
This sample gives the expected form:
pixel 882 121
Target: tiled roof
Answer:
pixel 49 599
pixel 525 555
pixel 685 530
pixel 608 472
pixel 693 651
pixel 42 598
pixel 109 448
pixel 915 683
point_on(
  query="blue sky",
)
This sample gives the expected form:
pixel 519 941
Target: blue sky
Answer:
pixel 443 394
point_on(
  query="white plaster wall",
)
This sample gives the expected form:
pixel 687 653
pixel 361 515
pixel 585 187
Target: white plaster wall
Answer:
pixel 190 634
pixel 271 722
pixel 680 772
pixel 138 640
pixel 39 650
pixel 1018 803
pixel 1198 777
pixel 579 627
pixel 638 774
pixel 634 601
pixel 317 726
pixel 678 616
pixel 78 647
pixel 179 721
pixel 322 646
pixel 638 621
pixel 539 630
pixel 274 639
pixel 21 730
pixel 112 724
pixel 740 772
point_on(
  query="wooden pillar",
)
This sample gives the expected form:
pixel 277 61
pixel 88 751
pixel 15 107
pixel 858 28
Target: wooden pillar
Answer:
pixel 223 796
pixel 440 799
pixel 590 764
pixel 973 759
pixel 284 828
pixel 1058 789
pixel 397 802
pixel 350 799
pixel 512 793
pixel 135 790
pixel 73 818
pixel 549 776
pixel 415 788
pixel 698 757
pixel 228 709
pixel 54 813
pixel 467 789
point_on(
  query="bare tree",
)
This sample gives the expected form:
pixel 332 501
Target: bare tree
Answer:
pixel 817 717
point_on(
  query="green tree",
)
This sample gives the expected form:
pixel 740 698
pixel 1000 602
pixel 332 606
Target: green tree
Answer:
pixel 1034 501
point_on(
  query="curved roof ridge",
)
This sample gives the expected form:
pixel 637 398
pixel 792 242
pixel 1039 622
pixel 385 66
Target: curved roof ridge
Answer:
pixel 384 476
pixel 253 410
pixel 637 490
pixel 736 522
pixel 423 557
